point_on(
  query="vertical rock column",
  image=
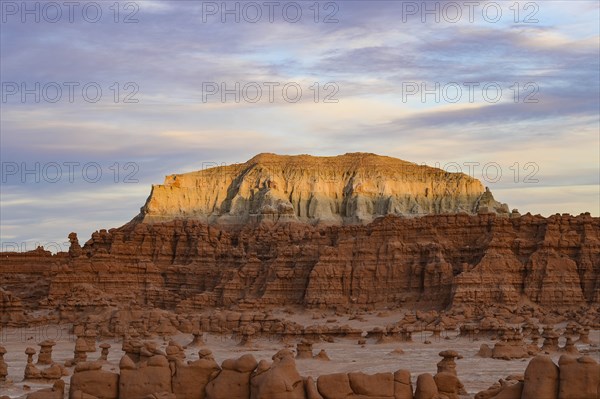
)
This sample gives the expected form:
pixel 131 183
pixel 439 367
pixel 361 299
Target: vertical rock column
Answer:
pixel 31 372
pixel 105 346
pixel 446 378
pixel 81 349
pixel 550 340
pixel 45 356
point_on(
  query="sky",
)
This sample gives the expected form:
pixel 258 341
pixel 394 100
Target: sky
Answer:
pixel 100 100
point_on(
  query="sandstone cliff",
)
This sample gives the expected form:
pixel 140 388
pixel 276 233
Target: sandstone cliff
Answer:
pixel 351 188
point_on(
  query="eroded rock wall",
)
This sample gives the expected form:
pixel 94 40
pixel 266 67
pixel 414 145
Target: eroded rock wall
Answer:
pixel 433 261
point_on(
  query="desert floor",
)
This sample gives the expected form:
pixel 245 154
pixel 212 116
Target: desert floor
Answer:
pixel 346 355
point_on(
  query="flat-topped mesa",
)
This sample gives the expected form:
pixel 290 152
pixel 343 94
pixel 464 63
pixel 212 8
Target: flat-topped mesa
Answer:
pixel 345 189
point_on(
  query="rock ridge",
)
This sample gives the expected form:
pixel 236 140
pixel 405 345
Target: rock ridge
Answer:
pixel 435 261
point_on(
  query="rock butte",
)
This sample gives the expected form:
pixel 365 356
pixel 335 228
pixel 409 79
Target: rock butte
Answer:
pixel 434 261
pixel 216 251
pixel 350 188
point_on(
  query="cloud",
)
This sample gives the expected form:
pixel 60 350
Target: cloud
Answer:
pixel 369 54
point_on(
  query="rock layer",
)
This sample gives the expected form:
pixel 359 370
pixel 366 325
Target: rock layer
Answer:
pixel 433 261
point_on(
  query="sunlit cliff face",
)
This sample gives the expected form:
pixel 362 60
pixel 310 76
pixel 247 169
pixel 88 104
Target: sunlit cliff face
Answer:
pixel 350 188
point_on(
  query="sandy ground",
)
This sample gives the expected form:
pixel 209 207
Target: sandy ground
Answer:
pixel 346 355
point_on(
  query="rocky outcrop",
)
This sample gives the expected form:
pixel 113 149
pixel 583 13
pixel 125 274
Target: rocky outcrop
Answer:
pixel 435 261
pixel 277 380
pixel 55 392
pixel 190 380
pixel 138 381
pixel 579 378
pixel 360 385
pixel 350 188
pixel 345 236
pixel 90 379
pixel 23 281
pixel 168 377
pixel 541 378
pixel 573 378
pixel 233 382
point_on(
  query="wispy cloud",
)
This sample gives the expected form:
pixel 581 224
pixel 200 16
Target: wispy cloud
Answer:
pixel 371 53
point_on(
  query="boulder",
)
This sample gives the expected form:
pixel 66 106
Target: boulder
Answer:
pixel 56 392
pixel 151 377
pixel 311 389
pixel 190 380
pixel 280 381
pixel 376 385
pixel 426 387
pixel 579 378
pixel 448 384
pixel 334 386
pixel 402 385
pixel 541 379
pixel 99 383
pixel 233 382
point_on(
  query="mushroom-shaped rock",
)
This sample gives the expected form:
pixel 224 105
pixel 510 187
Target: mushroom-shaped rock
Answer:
pixel 447 364
pixel 198 339
pixel 31 372
pixel 105 346
pixel 45 356
pixel 29 351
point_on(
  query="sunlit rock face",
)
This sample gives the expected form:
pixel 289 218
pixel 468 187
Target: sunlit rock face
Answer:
pixel 346 189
